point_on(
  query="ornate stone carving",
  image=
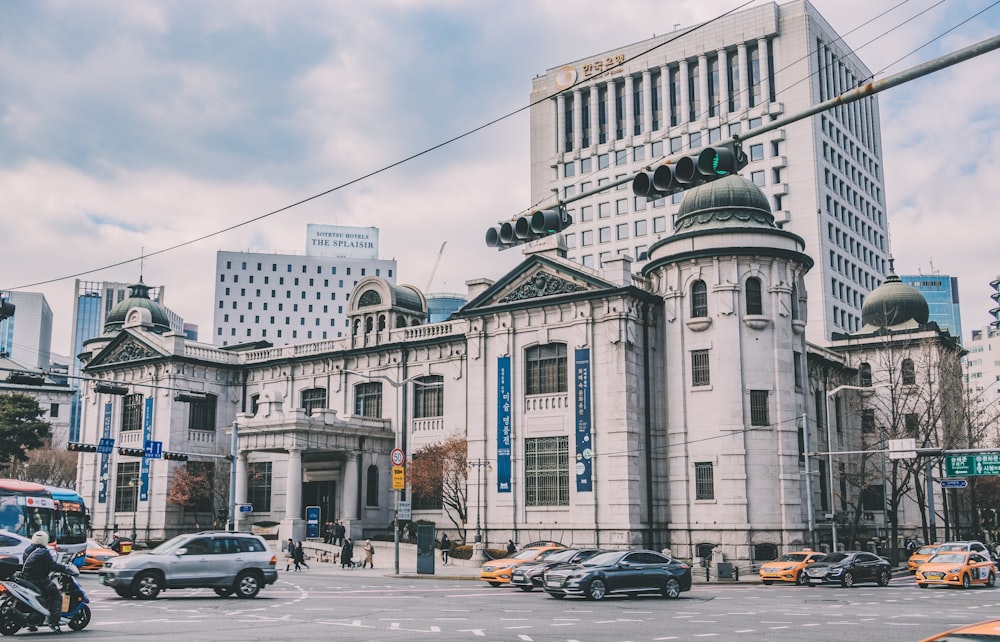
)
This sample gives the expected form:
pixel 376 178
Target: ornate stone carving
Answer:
pixel 132 351
pixel 541 284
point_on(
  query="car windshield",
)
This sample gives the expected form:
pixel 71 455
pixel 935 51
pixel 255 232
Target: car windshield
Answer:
pixel 526 554
pixel 560 556
pixel 833 558
pixel 603 559
pixel 953 547
pixel 169 546
pixel 948 558
pixel 792 557
pixel 927 550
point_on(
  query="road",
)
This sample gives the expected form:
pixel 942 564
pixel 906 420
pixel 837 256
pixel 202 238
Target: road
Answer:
pixel 325 603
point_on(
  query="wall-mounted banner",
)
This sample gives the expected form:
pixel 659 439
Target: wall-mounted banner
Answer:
pixel 147 435
pixel 503 424
pixel 584 446
pixel 102 492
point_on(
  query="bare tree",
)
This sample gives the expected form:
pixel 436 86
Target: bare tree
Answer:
pixel 440 471
pixel 50 466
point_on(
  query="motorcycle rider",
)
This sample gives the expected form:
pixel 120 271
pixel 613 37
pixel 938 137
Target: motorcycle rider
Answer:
pixel 38 563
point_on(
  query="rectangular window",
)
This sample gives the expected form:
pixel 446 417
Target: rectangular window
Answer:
pixel 621 231
pixel 659 224
pixel 313 399
pixel 368 399
pixel 758 408
pixel 604 235
pixel 797 366
pixel 586 238
pixel 586 213
pixel 545 369
pixel 428 397
pixel 911 422
pixel 53 410
pixel 704 480
pixel 132 412
pixel 603 210
pixel 640 227
pixel 127 487
pixel 201 414
pixel 757 152
pixel 621 206
pixel 259 486
pixel 700 375
pixel 546 471
pixel 868 421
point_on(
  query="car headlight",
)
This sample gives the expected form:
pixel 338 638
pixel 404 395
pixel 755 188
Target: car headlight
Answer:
pixel 836 571
pixel 957 569
pixel 787 568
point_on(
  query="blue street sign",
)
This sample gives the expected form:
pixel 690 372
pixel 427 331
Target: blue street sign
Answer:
pixel 246 508
pixel 954 483
pixel 154 449
pixel 106 445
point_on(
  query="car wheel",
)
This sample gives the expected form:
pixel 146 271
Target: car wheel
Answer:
pixel 848 581
pixel 767 582
pixel 495 584
pixel 672 589
pixel 597 589
pixel 883 578
pixel 223 591
pixel 526 589
pixel 991 581
pixel 557 596
pixel 802 579
pixel 147 586
pixel 966 582
pixel 247 585
pixel 921 585
pixel 124 593
pixel 82 618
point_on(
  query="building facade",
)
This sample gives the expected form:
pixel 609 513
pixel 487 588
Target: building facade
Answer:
pixel 26 337
pixel 941 294
pixel 54 396
pixel 607 116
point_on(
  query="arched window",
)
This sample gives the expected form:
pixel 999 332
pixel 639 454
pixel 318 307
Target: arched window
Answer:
pixel 400 321
pixel 755 302
pixel 369 324
pixel 699 299
pixel 865 374
pixel 908 372
pixel 369 298
pixel 357 326
pixel 371 487
pixel 381 322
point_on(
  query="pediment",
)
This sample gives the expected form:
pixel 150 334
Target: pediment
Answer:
pixel 125 348
pixel 538 279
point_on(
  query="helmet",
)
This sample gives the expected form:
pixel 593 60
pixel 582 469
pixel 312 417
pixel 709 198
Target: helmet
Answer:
pixel 41 538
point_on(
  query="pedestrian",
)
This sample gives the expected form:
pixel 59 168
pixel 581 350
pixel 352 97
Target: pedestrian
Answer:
pixel 300 557
pixel 369 550
pixel 346 554
pixel 511 547
pixel 445 549
pixel 339 533
pixel 327 532
pixel 289 553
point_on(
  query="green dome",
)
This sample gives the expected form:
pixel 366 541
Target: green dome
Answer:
pixel 732 201
pixel 138 298
pixel 894 303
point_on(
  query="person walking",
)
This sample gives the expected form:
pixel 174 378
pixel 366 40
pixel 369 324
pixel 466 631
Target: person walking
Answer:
pixel 327 532
pixel 346 554
pixel 289 553
pixel 445 549
pixel 300 557
pixel 369 559
pixel 511 547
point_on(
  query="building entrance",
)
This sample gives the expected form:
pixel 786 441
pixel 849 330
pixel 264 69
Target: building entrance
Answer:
pixel 322 494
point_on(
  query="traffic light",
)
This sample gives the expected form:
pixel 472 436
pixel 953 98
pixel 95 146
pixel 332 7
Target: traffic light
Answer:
pixel 708 164
pixel 6 309
pixel 76 447
pixel 111 389
pixel 132 452
pixel 536 225
pixel 175 456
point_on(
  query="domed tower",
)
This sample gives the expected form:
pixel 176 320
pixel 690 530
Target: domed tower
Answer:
pixel 138 300
pixel 894 305
pixel 734 320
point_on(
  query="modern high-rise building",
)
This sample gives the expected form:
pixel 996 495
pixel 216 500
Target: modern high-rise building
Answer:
pixel 26 337
pixel 607 116
pixel 982 368
pixel 941 293
pixel 291 298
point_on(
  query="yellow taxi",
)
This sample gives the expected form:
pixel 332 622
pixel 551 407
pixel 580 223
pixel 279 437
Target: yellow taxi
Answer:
pixel 497 572
pixel 920 556
pixel 789 567
pixel 957 568
pixel 983 631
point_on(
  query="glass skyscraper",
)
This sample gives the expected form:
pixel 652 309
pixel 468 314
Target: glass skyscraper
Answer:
pixel 941 293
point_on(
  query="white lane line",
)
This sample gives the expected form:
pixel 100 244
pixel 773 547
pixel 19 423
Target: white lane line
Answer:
pixel 744 631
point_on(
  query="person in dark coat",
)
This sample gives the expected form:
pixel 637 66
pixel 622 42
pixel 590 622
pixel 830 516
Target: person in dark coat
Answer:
pixel 511 547
pixel 346 553
pixel 38 563
pixel 338 533
pixel 445 548
pixel 299 556
pixel 289 553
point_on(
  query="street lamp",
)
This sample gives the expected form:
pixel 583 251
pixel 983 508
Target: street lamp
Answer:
pixel 479 464
pixel 134 485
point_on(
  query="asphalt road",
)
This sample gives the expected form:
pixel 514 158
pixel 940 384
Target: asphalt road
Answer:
pixel 325 603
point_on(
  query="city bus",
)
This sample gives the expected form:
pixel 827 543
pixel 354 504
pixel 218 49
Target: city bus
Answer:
pixel 71 520
pixel 26 507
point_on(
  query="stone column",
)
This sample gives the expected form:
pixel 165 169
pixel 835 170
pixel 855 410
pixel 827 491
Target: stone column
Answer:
pixel 704 106
pixel 684 104
pixel 595 117
pixel 647 103
pixel 241 477
pixel 765 71
pixel 612 112
pixel 577 120
pixel 746 94
pixel 560 123
pixel 349 496
pixel 723 85
pixel 665 89
pixel 293 525
pixel 629 107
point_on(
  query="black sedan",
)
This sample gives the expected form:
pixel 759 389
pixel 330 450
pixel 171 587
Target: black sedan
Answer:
pixel 529 576
pixel 847 568
pixel 628 572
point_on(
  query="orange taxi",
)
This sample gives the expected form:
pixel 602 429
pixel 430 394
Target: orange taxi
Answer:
pixel 920 556
pixel 957 568
pixel 983 631
pixel 497 572
pixel 789 567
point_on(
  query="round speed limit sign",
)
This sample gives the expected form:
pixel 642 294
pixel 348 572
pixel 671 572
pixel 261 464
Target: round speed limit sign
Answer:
pixel 397 457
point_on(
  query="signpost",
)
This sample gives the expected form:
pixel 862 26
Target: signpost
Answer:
pixel 245 508
pixel 397 457
pixel 398 478
pixel 979 464
pixel 405 509
pixel 954 483
pixel 153 449
pixel 106 446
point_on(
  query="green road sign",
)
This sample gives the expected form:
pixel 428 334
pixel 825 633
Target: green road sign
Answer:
pixel 972 465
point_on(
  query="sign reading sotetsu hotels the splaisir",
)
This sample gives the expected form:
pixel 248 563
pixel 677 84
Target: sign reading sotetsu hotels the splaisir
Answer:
pixel 342 241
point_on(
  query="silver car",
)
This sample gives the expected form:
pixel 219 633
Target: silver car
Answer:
pixel 229 563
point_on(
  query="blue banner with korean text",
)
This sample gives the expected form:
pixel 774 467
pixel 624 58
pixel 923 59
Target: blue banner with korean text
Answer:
pixel 584 446
pixel 102 492
pixel 147 435
pixel 503 424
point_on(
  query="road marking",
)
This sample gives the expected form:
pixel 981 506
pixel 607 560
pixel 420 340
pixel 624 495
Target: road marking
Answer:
pixel 478 632
pixel 395 627
pixel 706 635
pixel 744 631
pixel 524 637
pixel 354 623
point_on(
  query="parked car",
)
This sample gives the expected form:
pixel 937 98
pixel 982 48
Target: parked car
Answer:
pixel 789 568
pixel 968 545
pixel 920 556
pixel 13 545
pixel 982 631
pixel 847 568
pixel 96 555
pixel 497 572
pixel 629 572
pixel 957 568
pixel 529 576
pixel 229 563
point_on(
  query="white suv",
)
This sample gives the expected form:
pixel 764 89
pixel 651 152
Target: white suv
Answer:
pixel 229 563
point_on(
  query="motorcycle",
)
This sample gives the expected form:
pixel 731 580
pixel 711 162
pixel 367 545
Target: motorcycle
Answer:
pixel 24 606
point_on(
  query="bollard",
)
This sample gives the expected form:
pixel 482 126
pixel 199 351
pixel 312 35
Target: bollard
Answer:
pixel 707 578
pixel 736 570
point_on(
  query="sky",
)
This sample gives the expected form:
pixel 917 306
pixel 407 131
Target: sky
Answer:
pixel 127 128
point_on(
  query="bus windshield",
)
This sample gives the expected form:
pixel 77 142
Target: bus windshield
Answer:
pixel 71 516
pixel 26 508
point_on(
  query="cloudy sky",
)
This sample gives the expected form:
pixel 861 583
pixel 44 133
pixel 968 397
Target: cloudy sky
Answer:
pixel 133 127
